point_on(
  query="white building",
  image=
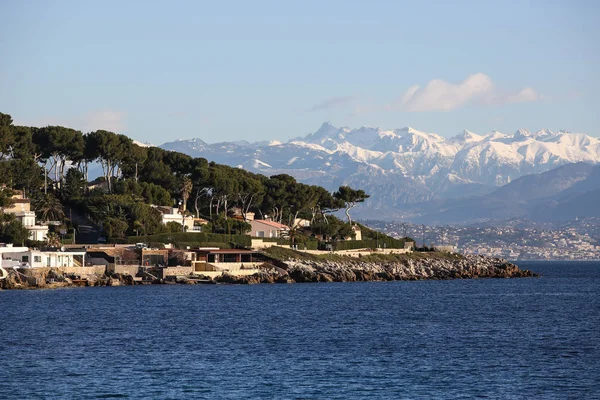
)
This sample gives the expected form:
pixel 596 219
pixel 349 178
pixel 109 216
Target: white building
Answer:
pixel 25 257
pixel 268 229
pixel 173 214
pixel 21 209
pixel 357 232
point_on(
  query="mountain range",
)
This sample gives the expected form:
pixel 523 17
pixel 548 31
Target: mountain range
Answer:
pixel 564 193
pixel 405 171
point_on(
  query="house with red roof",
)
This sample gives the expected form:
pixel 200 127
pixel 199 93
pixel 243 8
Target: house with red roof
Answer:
pixel 268 229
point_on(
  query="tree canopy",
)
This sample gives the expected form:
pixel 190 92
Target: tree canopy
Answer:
pixel 50 165
pixel 350 197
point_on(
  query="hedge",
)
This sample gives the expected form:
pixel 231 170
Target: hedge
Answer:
pixel 389 243
pixel 193 239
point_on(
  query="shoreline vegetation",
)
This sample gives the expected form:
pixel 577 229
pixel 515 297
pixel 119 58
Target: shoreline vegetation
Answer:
pixel 298 267
pixel 149 197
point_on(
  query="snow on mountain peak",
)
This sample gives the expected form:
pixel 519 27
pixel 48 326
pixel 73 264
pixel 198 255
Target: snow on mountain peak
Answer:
pixel 522 134
pixel 467 137
pixel 404 165
pixel 544 132
pixel 142 144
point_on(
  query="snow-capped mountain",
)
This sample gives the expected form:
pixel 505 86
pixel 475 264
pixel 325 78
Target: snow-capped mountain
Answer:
pixel 566 192
pixel 405 165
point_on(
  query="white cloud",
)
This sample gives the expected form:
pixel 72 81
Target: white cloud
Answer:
pixel 409 94
pixel 527 94
pixel 439 95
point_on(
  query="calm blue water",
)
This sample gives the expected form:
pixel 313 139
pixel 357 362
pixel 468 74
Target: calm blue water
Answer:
pixel 513 338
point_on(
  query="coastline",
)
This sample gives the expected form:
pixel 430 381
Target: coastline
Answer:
pixel 297 270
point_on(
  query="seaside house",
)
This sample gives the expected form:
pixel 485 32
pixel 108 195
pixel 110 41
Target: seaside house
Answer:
pixel 173 214
pixel 51 257
pixel 214 259
pixel 268 229
pixel 21 209
pixel 6 252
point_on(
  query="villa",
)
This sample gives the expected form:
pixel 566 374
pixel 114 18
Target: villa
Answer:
pixel 214 259
pixel 268 229
pixel 21 209
pixel 173 214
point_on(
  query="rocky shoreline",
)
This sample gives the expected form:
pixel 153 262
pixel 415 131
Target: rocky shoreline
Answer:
pixel 354 270
pixel 298 271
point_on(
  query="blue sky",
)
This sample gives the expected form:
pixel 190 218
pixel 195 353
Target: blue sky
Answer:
pixel 159 71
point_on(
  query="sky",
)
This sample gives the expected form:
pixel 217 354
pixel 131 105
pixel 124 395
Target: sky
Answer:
pixel 275 70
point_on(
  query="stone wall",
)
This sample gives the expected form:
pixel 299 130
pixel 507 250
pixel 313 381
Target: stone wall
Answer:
pixel 93 270
pixel 174 271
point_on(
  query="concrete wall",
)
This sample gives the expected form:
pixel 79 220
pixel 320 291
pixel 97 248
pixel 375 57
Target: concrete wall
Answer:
pixel 357 252
pixel 175 271
pixel 260 244
pixel 224 266
pixel 93 270
pixel 112 267
pixel 183 271
pixel 125 269
pixel 446 248
pixel 239 272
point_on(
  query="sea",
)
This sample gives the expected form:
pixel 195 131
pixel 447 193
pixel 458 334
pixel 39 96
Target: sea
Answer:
pixel 530 338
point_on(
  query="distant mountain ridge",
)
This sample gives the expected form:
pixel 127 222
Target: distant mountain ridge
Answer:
pixel 405 166
pixel 564 193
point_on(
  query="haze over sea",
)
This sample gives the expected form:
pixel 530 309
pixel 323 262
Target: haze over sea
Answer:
pixel 497 338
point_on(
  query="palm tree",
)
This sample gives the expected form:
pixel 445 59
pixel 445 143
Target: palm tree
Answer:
pixel 53 240
pixel 186 190
pixel 48 208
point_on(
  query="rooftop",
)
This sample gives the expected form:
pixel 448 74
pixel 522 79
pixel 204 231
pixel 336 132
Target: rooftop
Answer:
pixel 271 223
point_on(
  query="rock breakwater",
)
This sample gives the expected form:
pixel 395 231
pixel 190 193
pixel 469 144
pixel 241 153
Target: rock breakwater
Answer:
pixel 465 267
pixel 355 270
pixel 298 270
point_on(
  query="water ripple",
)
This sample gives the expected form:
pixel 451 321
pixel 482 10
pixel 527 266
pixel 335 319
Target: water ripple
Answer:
pixel 519 338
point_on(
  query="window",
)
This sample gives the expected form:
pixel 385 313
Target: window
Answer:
pixel 260 233
pixel 25 259
pixel 37 259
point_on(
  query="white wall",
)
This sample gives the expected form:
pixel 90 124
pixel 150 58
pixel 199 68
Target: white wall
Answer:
pixel 188 222
pixel 38 259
